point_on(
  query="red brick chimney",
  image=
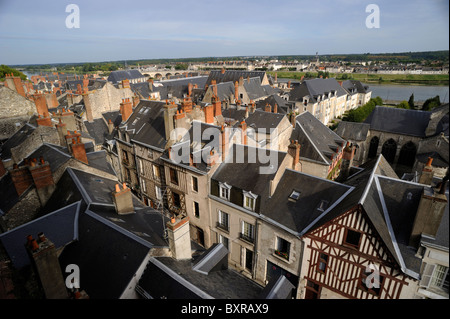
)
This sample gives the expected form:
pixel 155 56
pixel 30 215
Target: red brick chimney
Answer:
pixel 88 107
pixel 347 161
pixel 276 77
pixel 275 108
pixel 14 83
pixel 268 107
pixel 222 71
pixel 110 126
pixel 214 86
pixel 123 199
pixel 190 87
pixel 294 151
pixel 186 105
pixel 136 100
pixel 209 113
pixel 43 179
pixel 236 91
pixel 126 83
pixel 79 150
pixel 126 109
pixel 217 105
pixel 79 89
pixel 293 121
pixel 243 127
pixel 44 121
pixel 85 81
pixel 41 103
pixel 51 100
pixel 21 178
pixel 45 259
pixel 427 173
pixel 252 106
pixel 61 128
pixel 289 84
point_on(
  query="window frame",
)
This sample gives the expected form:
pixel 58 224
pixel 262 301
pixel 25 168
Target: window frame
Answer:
pixel 323 261
pixel 194 184
pixel 220 223
pixel 173 176
pixel 247 233
pixel 278 252
pixel 252 197
pixel 224 187
pixel 196 211
pixel 347 244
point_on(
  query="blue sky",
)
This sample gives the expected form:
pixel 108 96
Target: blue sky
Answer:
pixel 35 32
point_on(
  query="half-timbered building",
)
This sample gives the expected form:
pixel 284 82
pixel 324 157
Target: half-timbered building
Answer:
pixel 367 246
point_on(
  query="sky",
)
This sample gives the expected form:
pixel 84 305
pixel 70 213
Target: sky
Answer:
pixel 36 32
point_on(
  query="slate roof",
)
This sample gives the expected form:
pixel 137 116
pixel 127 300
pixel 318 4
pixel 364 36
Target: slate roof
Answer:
pixel 59 227
pixel 264 120
pixel 283 105
pixel 399 121
pixel 146 124
pixel 355 86
pixel 16 139
pixel 298 215
pixel 315 87
pixel 254 89
pixel 246 176
pixel 353 131
pixel 232 76
pixel 178 87
pixel 168 278
pixel 108 259
pixel 118 76
pixel 98 129
pixel 317 142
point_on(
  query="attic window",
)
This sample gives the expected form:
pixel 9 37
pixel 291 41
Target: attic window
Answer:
pixel 294 195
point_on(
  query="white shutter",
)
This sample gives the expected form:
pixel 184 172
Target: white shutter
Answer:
pixel 426 275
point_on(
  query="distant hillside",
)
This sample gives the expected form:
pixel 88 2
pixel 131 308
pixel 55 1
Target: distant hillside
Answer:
pixel 402 57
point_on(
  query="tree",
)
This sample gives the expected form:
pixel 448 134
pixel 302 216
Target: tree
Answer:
pixel 4 69
pixel 411 101
pixel 431 103
pixel 403 105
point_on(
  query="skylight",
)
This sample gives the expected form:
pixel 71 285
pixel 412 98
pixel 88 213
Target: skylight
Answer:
pixel 294 195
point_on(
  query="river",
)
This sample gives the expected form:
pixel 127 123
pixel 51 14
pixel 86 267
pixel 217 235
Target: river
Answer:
pixel 403 92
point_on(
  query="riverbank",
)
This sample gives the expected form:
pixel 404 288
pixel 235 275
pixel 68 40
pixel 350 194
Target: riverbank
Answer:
pixel 401 79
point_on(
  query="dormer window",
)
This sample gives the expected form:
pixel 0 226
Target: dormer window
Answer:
pixel 249 200
pixel 224 191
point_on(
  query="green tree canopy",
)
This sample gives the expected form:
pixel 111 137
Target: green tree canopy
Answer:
pixel 4 69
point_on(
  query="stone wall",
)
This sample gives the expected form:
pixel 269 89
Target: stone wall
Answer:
pixel 14 109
